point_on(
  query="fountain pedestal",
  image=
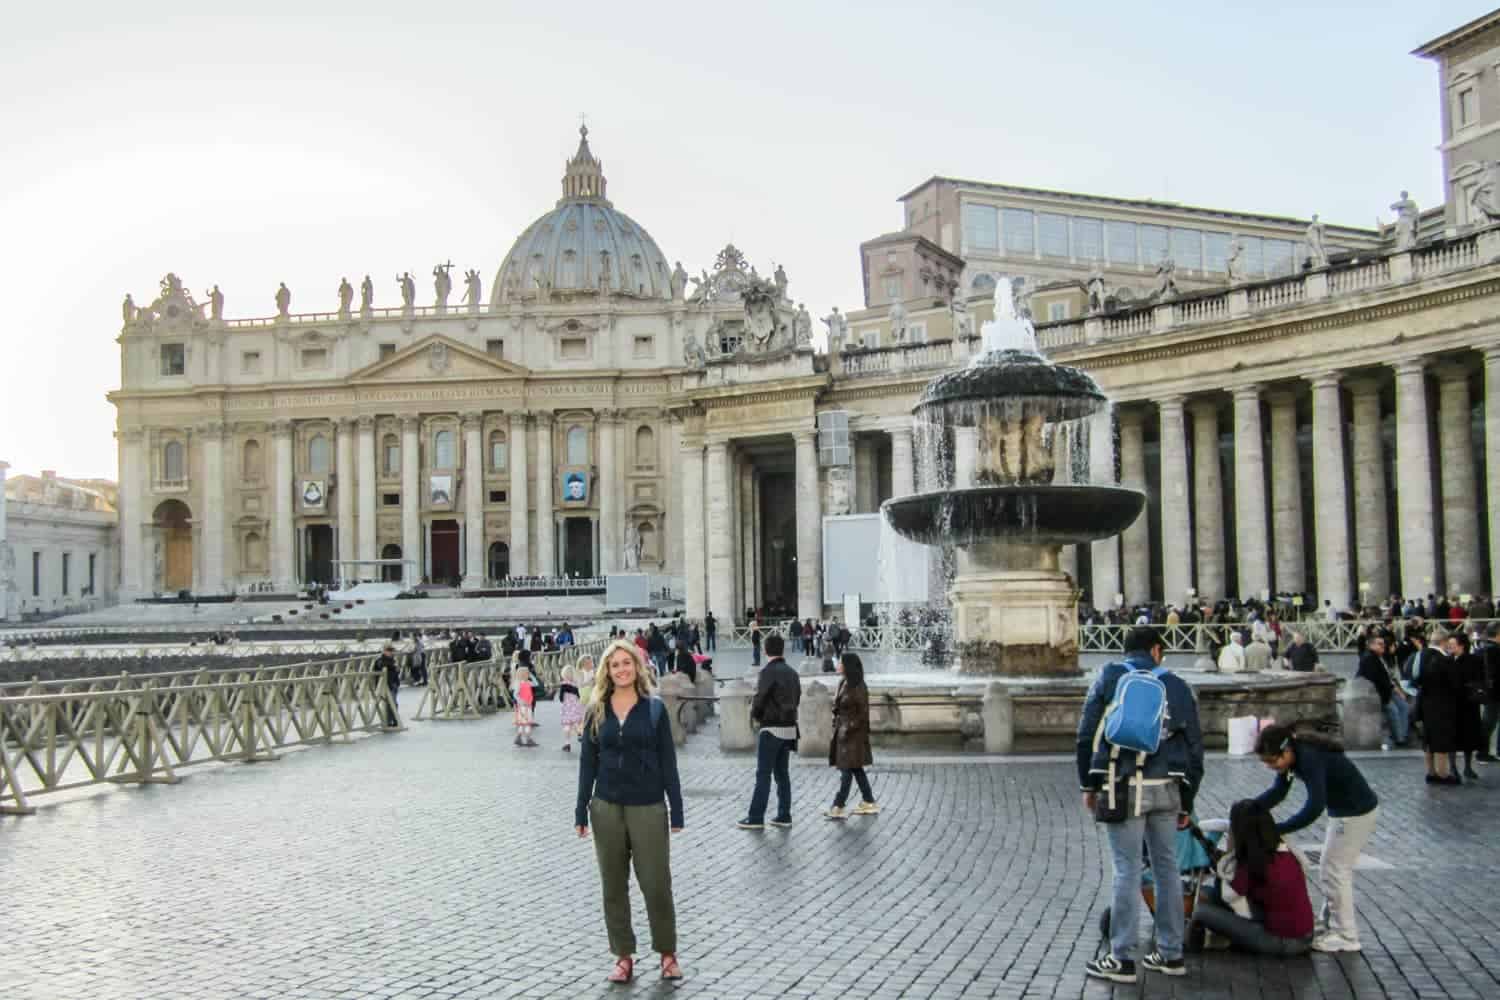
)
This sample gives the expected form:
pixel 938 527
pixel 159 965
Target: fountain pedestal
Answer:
pixel 1015 623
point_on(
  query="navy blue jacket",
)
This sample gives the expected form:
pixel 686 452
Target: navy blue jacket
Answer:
pixel 1333 783
pixel 1179 756
pixel 634 764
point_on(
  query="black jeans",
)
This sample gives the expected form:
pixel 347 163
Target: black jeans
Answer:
pixel 772 755
pixel 1245 934
pixel 391 718
pixel 848 775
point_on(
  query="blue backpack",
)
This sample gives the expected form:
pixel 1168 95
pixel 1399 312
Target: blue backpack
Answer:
pixel 1137 718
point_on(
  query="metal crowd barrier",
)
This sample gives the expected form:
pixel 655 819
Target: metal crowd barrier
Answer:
pixel 467 690
pixel 1325 636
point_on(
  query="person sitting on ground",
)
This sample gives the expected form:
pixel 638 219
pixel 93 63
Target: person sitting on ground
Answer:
pixel 1260 868
pixel 1232 656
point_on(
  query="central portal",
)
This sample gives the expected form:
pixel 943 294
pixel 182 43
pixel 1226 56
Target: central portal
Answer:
pixel 318 565
pixel 578 546
pixel 445 549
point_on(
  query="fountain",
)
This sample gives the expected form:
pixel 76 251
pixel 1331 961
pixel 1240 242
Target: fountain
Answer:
pixel 1015 612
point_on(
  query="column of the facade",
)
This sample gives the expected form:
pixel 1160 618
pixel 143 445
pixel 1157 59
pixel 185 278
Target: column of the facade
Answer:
pixel 367 496
pixel 903 481
pixel 747 533
pixel 675 517
pixel 757 577
pixel 809 528
pixel 283 573
pixel 1208 500
pixel 695 555
pixel 1414 504
pixel 1105 553
pixel 1136 541
pixel 8 583
pixel 1330 499
pixel 1372 557
pixel 546 522
pixel 1251 541
pixel 214 514
pixel 1286 494
pixel 866 475
pixel 474 569
pixel 1492 457
pixel 1176 517
pixel 1460 500
pixel 736 527
pixel 520 522
pixel 345 489
pixel 609 505
pixel 720 533
pixel 411 501
pixel 132 515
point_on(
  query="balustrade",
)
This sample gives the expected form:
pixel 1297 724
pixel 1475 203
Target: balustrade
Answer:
pixel 1446 257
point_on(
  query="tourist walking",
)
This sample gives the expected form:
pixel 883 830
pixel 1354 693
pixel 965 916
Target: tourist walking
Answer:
pixel 1439 697
pixel 1260 868
pixel 418 660
pixel 1490 713
pixel 523 696
pixel 387 663
pixel 774 709
pixel 1333 784
pixel 1372 668
pixel 711 630
pixel 1140 761
pixel 755 640
pixel 850 749
pixel 570 700
pixel 629 789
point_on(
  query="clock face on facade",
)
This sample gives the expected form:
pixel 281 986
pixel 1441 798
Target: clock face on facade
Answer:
pixel 312 493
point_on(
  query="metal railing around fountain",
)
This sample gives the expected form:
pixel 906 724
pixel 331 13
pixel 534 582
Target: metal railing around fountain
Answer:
pixel 142 728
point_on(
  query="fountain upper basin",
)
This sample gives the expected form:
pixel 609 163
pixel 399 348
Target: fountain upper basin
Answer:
pixel 1028 514
pixel 998 377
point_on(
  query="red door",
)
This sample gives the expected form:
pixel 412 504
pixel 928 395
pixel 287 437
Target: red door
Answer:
pixel 445 567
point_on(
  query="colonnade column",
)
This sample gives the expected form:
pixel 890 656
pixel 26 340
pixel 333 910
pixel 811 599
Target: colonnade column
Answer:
pixel 748 596
pixel 1330 504
pixel 609 506
pixel 1414 506
pixel 411 502
pixel 736 526
pixel 720 534
pixel 214 511
pixel 1105 553
pixel 1136 541
pixel 809 528
pixel 1372 557
pixel 903 482
pixel 1208 500
pixel 132 516
pixel 1492 457
pixel 344 464
pixel 283 573
pixel 520 525
pixel 695 556
pixel 1286 494
pixel 474 569
pixel 1176 519
pixel 367 494
pixel 1460 514
pixel 546 523
pixel 1251 543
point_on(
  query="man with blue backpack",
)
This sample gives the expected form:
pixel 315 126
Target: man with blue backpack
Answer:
pixel 1140 760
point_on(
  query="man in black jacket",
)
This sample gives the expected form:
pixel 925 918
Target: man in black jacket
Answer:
pixel 1392 701
pixel 1490 650
pixel 774 709
pixel 387 665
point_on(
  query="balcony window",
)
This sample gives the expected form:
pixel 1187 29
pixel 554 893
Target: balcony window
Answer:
pixel 1153 245
pixel 981 228
pixel 317 455
pixel 1020 230
pixel 499 454
pixel 443 450
pixel 1088 239
pixel 1121 238
pixel 1187 249
pixel 173 359
pixel 578 445
pixel 1053 231
pixel 173 462
pixel 1216 252
pixel 1279 257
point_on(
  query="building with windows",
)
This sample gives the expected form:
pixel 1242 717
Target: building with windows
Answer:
pixel 57 544
pixel 1468 65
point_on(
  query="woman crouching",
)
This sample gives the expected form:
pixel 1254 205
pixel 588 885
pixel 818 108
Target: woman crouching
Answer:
pixel 627 779
pixel 1261 869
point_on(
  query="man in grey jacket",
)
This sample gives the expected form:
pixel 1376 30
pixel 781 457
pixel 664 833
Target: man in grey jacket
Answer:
pixel 774 708
pixel 1158 793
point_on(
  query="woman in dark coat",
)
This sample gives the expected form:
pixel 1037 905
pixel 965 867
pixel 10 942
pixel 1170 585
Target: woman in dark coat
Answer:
pixel 850 749
pixel 1439 693
pixel 1471 694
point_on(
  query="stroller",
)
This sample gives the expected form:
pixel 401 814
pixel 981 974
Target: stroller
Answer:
pixel 1197 852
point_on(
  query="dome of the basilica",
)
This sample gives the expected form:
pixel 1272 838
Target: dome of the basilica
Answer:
pixel 582 244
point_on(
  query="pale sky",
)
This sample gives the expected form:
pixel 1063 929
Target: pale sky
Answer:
pixel 302 142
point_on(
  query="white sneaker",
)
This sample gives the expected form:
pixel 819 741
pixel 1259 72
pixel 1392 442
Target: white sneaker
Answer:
pixel 835 812
pixel 1334 943
pixel 867 809
pixel 1385 746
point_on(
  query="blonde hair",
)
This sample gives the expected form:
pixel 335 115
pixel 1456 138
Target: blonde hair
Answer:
pixel 604 685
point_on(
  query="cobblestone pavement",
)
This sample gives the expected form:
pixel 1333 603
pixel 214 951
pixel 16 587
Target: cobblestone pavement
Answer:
pixel 440 863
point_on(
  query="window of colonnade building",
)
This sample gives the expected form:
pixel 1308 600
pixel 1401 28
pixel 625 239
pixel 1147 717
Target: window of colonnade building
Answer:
pixel 645 448
pixel 173 462
pixel 578 446
pixel 390 450
pixel 443 453
pixel 252 462
pixel 499 451
pixel 317 455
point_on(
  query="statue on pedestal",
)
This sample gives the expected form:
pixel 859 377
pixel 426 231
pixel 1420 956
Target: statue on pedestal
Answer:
pixel 1166 279
pixel 366 296
pixel 702 289
pixel 346 297
pixel 633 547
pixel 1232 262
pixel 1317 252
pixel 472 290
pixel 963 320
pixel 408 290
pixel 283 300
pixel 1406 221
pixel 692 352
pixel 215 304
pixel 897 316
pixel 1485 198
pixel 838 330
pixel 802 326
pixel 128 310
pixel 442 284
pixel 679 282
pixel 780 278
pixel 1097 292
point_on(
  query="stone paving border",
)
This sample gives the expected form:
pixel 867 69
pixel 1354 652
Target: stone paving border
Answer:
pixel 439 863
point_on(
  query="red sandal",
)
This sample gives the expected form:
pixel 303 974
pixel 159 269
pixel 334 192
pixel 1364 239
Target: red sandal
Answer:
pixel 669 967
pixel 624 971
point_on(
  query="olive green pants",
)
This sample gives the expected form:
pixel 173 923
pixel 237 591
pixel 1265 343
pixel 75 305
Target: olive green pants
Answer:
pixel 635 834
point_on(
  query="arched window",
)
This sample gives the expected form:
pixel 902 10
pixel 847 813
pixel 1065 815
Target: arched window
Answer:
pixel 251 468
pixel 390 574
pixel 645 448
pixel 390 449
pixel 442 450
pixel 317 455
pixel 255 552
pixel 578 446
pixel 648 542
pixel 173 464
pixel 499 452
pixel 499 561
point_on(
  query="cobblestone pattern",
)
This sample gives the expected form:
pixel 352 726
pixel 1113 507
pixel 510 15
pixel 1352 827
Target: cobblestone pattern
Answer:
pixel 440 863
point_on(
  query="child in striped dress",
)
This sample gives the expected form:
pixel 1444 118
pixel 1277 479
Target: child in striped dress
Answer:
pixel 525 700
pixel 572 704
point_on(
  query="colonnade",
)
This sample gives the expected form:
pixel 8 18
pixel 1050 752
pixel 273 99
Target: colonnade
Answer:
pixel 1437 494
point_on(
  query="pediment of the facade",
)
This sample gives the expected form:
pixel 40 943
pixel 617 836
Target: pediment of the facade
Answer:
pixel 435 357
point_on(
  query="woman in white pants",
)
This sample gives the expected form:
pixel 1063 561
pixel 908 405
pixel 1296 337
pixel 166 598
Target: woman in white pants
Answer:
pixel 1333 784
